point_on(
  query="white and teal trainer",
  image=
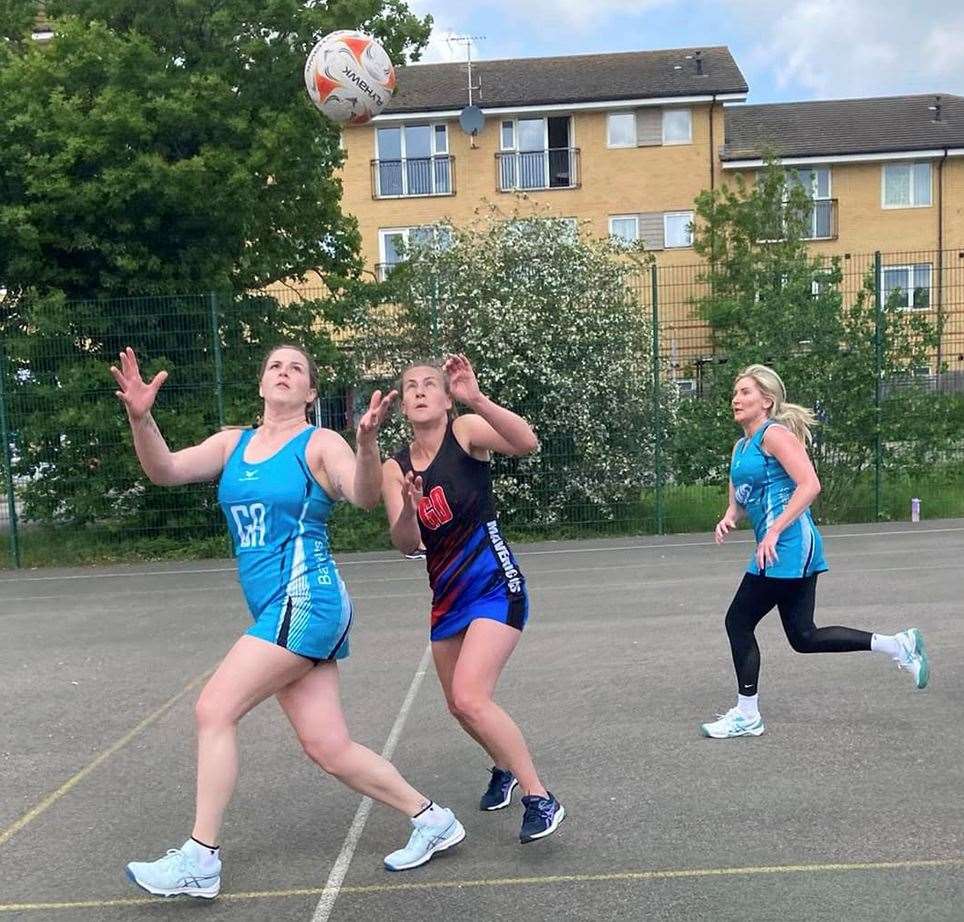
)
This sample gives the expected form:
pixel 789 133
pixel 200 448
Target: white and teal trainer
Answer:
pixel 177 873
pixel 913 656
pixel 733 723
pixel 425 841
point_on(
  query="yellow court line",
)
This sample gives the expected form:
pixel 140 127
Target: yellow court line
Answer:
pixel 52 798
pixel 665 874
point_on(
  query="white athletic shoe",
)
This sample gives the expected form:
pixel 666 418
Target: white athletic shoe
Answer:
pixel 733 723
pixel 425 841
pixel 176 874
pixel 913 656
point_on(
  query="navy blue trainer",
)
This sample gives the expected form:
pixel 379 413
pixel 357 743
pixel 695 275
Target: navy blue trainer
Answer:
pixel 499 792
pixel 542 817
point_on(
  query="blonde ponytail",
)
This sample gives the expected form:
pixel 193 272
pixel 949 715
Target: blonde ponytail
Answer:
pixel 798 419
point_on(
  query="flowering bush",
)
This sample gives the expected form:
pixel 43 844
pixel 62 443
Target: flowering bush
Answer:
pixel 550 317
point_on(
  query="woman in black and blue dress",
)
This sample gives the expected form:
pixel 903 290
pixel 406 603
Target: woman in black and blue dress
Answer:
pixel 438 493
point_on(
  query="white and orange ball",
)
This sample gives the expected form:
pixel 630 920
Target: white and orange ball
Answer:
pixel 349 76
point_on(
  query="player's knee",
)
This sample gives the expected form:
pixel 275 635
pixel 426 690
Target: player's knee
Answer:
pixel 212 712
pixel 801 641
pixel 328 753
pixel 468 704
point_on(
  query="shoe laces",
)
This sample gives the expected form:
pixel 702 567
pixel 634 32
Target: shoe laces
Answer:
pixel 543 807
pixel 423 834
pixel 905 658
pixel 175 857
pixel 499 779
pixel 733 714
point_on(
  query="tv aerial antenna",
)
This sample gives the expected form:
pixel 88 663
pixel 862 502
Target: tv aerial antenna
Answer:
pixel 471 118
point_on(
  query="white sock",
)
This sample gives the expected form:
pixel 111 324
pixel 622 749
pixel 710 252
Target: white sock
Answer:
pixel 748 705
pixel 432 815
pixel 885 643
pixel 207 858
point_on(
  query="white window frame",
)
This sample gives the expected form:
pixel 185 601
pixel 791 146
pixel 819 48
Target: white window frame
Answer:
pixel 814 197
pixel 677 214
pixel 545 148
pixel 813 183
pixel 913 204
pixel 405 232
pixel 910 269
pixel 690 389
pixel 384 232
pixel 432 126
pixel 689 138
pixel 624 217
pixel 632 114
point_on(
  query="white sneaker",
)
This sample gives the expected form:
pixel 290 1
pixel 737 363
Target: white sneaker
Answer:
pixel 913 656
pixel 425 841
pixel 176 874
pixel 733 723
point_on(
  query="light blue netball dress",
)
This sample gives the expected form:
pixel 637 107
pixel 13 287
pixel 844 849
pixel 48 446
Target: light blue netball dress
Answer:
pixel 763 488
pixel 277 514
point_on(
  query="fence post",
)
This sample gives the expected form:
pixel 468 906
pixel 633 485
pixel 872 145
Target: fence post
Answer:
pixel 8 463
pixel 657 415
pixel 878 371
pixel 218 366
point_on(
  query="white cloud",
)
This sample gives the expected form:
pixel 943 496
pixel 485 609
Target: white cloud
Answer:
pixel 447 46
pixel 788 49
pixel 513 23
pixel 835 49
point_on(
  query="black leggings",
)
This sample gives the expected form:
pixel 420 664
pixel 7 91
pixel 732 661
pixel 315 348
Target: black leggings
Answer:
pixel 795 600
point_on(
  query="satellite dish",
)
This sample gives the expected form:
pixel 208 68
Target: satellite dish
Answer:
pixel 471 119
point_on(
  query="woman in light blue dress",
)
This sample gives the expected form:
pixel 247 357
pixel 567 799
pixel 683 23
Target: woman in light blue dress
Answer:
pixel 277 486
pixel 773 483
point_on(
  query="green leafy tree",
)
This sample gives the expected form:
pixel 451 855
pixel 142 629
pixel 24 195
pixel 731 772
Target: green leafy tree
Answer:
pixel 550 318
pixel 768 300
pixel 159 149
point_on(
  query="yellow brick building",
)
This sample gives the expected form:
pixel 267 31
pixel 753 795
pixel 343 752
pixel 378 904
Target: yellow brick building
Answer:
pixel 625 142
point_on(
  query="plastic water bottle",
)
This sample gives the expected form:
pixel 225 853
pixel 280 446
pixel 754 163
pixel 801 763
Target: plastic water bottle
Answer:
pixel 915 510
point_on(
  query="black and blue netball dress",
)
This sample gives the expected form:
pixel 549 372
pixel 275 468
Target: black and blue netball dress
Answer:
pixel 471 569
pixel 277 514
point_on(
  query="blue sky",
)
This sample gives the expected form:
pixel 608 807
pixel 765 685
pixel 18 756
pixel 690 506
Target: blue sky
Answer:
pixel 789 50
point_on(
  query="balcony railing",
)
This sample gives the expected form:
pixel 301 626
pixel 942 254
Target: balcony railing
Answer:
pixel 819 222
pixel 413 176
pixel 822 220
pixel 555 168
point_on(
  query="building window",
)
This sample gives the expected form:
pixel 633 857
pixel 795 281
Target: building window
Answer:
pixel 537 153
pixel 677 126
pixel 621 129
pixel 906 185
pixel 819 223
pixel 624 228
pixel 907 286
pixel 412 160
pixel 394 243
pixel 678 229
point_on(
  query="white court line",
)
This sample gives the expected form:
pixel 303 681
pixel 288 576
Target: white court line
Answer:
pixel 535 587
pixel 728 562
pixel 523 554
pixel 340 868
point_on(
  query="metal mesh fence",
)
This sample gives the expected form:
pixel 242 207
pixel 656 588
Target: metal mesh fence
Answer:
pixel 72 490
